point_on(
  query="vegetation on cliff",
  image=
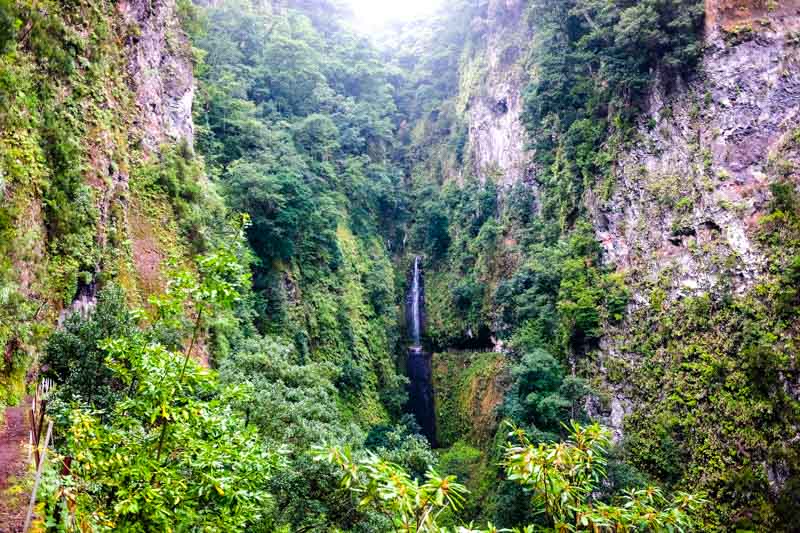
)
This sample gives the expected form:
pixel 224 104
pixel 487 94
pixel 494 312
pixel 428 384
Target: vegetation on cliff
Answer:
pixel 222 316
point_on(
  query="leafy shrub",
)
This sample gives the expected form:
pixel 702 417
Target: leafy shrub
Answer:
pixel 170 449
pixel 289 402
pixel 468 295
pixel 74 359
pixel 215 473
pixel 8 24
pixel 351 377
pixel 541 396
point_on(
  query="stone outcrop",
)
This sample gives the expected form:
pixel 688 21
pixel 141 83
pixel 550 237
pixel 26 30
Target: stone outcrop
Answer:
pixel 495 80
pixel 160 70
pixel 691 188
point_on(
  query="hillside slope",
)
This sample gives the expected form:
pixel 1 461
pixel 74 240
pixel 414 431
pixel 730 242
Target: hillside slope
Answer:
pixel 91 94
pixel 650 243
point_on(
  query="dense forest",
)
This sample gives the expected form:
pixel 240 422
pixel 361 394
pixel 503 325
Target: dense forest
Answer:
pixel 522 265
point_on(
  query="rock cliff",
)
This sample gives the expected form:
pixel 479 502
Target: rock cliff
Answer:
pixel 494 81
pixel 160 71
pixel 692 186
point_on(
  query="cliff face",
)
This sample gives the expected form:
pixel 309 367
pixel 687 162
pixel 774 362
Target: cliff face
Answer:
pixel 692 187
pixel 160 71
pixel 697 375
pixel 90 92
pixel 494 81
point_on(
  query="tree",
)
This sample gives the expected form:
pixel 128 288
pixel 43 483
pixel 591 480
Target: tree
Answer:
pixel 288 217
pixel 73 358
pixel 541 395
pixel 563 476
pixel 170 449
pixel 318 136
pixel 215 474
pixel 409 505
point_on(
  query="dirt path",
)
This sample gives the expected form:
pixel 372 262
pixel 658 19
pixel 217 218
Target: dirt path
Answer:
pixel 14 435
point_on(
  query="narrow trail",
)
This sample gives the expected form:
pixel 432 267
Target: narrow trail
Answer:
pixel 14 435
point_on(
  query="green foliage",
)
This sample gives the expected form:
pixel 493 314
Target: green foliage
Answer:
pixel 562 295
pixel 287 217
pixel 176 174
pixel 410 505
pixel 289 402
pixel 351 377
pixel 467 386
pixel 563 476
pixel 403 444
pixel 58 86
pixel 541 396
pixel 74 359
pixel 594 62
pixel 708 374
pixel 8 24
pixel 215 475
pixel 297 121
pixel 168 448
pixel 20 332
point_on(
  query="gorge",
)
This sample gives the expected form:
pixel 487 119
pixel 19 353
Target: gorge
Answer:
pixel 265 257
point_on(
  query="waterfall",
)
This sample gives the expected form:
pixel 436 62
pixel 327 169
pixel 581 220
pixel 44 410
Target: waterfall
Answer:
pixel 420 387
pixel 415 304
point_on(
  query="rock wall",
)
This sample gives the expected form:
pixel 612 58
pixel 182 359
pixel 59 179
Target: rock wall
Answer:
pixel 494 81
pixel 160 70
pixel 469 389
pixel 692 186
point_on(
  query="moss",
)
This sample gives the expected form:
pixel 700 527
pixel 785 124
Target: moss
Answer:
pixel 469 387
pixel 711 412
pixel 738 34
pixel 349 315
pixel 65 114
pixel 472 466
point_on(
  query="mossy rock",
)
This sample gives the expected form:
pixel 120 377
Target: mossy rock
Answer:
pixel 469 388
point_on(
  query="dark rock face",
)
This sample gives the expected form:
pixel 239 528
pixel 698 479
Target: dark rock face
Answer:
pixel 420 392
pixel 160 71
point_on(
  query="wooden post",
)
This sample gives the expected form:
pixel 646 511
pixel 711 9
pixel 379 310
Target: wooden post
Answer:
pixel 42 407
pixel 66 466
pixel 38 479
pixel 35 439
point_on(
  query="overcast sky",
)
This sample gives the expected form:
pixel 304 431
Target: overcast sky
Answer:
pixel 374 14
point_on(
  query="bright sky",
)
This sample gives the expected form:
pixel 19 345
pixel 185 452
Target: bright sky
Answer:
pixel 372 15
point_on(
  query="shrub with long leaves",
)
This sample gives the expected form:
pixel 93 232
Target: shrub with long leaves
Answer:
pixel 410 505
pixel 563 476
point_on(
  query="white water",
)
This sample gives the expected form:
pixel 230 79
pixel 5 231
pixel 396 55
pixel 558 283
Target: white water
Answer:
pixel 415 312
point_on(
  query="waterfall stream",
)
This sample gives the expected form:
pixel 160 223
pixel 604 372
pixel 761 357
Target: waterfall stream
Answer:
pixel 415 304
pixel 420 388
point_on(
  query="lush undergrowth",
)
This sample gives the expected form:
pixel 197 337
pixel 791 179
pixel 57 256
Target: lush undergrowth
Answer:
pixel 712 373
pixel 63 103
pixel 297 126
pixel 244 375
